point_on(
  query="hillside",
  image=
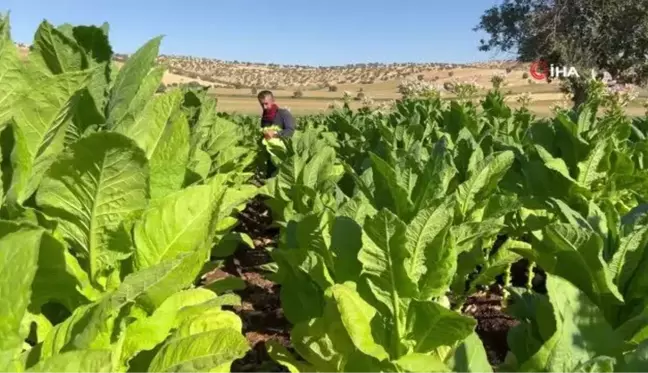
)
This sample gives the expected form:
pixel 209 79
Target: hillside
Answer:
pixel 309 89
pixel 312 89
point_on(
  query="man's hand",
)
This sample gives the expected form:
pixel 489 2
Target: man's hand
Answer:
pixel 270 134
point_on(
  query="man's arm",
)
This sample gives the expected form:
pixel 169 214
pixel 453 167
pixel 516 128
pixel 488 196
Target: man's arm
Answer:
pixel 288 124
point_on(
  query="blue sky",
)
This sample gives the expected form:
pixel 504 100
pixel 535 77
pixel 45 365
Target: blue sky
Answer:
pixel 309 32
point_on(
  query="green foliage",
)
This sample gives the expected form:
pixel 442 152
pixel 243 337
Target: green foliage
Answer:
pixel 437 199
pixel 113 198
pixel 609 36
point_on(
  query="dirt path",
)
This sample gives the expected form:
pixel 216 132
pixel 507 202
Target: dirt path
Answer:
pixel 260 309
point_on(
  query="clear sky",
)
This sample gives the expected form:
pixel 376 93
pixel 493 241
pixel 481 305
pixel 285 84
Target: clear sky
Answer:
pixel 309 32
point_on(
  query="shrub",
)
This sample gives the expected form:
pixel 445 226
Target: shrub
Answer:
pixel 497 81
pixel 332 88
pixel 298 93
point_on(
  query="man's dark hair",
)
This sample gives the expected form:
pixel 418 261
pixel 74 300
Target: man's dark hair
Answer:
pixel 264 94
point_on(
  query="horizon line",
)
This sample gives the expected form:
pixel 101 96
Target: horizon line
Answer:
pixel 350 64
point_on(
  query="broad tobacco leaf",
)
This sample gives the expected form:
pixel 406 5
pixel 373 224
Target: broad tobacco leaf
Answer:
pixel 131 89
pixel 18 267
pixel 11 80
pixel 92 189
pixel 77 361
pixel 178 223
pixel 162 130
pixel 565 331
pixel 59 276
pixel 43 111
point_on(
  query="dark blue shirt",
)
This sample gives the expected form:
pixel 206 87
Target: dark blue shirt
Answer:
pixel 284 120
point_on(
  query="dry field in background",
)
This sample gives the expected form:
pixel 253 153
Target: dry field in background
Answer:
pixel 234 83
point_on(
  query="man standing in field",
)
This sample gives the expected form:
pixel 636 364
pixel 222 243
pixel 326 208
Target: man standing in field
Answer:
pixel 273 115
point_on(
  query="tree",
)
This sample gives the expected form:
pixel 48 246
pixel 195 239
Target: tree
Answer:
pixel 603 35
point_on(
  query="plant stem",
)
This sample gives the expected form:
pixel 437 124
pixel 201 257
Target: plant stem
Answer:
pixel 507 283
pixel 530 275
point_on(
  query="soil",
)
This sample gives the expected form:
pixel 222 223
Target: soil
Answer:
pixel 263 317
pixel 493 323
pixel 260 308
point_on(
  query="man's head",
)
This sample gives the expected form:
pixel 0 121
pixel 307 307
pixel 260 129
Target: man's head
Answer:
pixel 266 99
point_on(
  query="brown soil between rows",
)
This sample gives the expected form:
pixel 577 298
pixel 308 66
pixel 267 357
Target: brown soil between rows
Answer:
pixel 263 317
pixel 260 308
pixel 493 324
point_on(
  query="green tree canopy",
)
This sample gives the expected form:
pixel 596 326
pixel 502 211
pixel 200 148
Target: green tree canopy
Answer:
pixel 605 35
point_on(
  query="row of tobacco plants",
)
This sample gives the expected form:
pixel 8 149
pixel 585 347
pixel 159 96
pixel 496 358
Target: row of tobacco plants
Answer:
pixel 114 199
pixel 391 220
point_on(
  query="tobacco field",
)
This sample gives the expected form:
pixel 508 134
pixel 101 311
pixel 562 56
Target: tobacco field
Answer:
pixel 139 231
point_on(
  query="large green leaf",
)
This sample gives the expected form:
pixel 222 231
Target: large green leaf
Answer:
pixel 145 94
pixel 302 298
pixel 436 177
pixel 575 254
pixel 77 361
pixel 69 49
pixel 11 78
pixel 130 80
pixel 391 192
pixel 383 257
pixel 431 259
pixel 416 362
pixel 469 356
pixel 170 159
pixel 475 191
pixel 161 129
pixel 212 351
pixel 357 316
pixel 281 355
pixel 572 330
pixel 627 263
pixel 94 42
pixel 588 170
pixel 430 326
pixel 18 266
pixel 178 223
pixel 59 276
pixel 57 51
pixel 92 189
pixel 148 289
pixel 147 333
pixel 43 111
pixel 211 319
